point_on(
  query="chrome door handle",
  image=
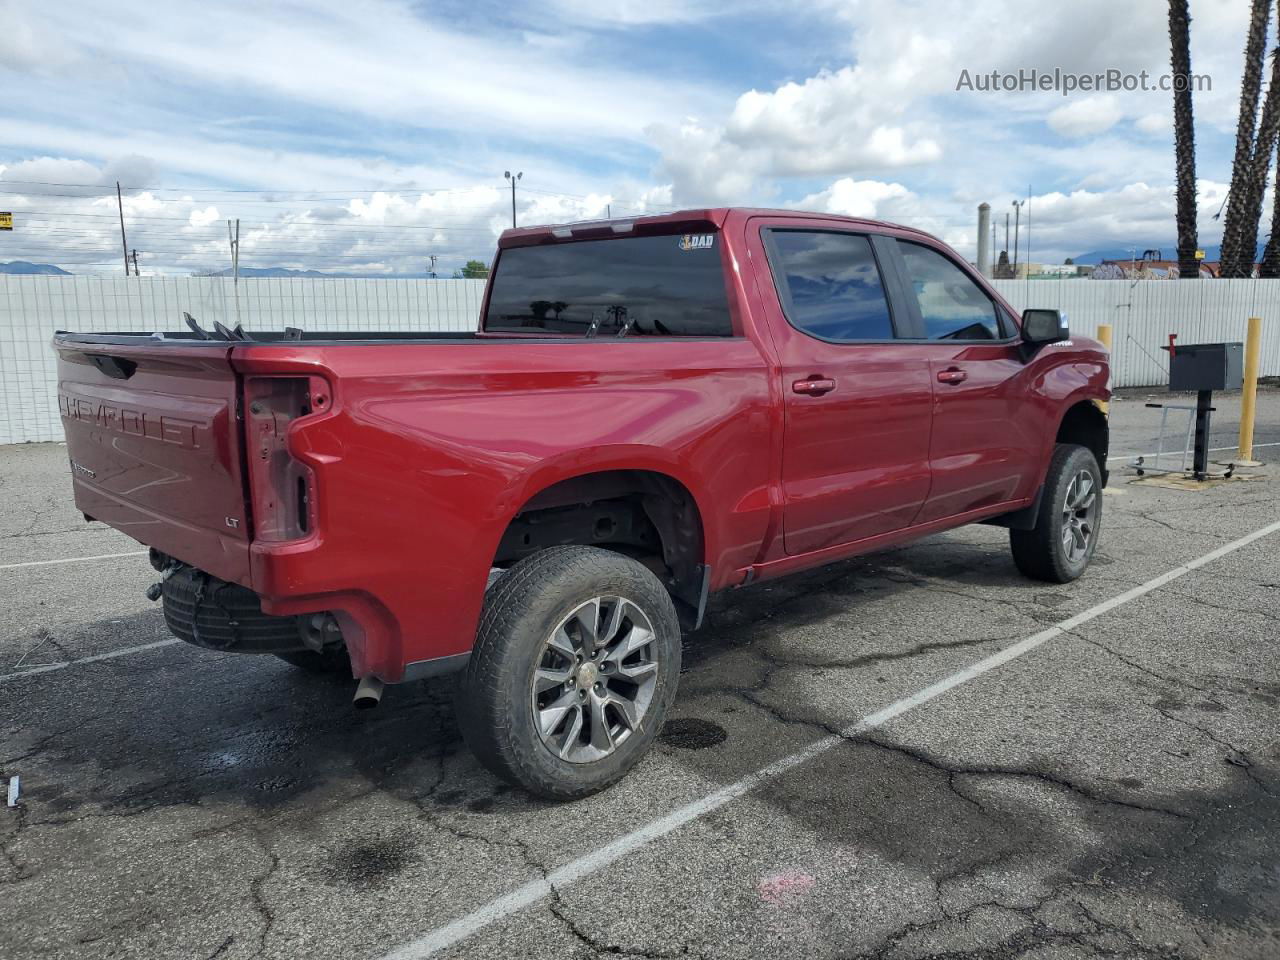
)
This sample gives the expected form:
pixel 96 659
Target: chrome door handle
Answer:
pixel 813 387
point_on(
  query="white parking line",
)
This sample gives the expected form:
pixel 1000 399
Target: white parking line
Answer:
pixel 50 667
pixel 101 556
pixel 533 891
pixel 1130 456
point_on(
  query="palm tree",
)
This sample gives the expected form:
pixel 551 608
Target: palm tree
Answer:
pixel 1270 269
pixel 1184 138
pixel 1238 243
pixel 1256 186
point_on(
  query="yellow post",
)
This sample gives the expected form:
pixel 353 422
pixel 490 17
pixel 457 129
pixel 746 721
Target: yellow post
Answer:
pixel 1248 402
pixel 1104 337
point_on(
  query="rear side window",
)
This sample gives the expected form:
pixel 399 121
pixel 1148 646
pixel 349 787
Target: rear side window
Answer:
pixel 669 286
pixel 830 285
pixel 952 305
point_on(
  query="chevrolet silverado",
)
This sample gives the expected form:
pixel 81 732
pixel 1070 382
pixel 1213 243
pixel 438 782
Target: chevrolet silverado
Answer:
pixel 650 410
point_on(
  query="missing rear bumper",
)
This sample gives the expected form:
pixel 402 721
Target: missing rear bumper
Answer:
pixel 205 611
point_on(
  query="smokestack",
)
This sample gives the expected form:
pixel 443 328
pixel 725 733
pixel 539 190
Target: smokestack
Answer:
pixel 984 239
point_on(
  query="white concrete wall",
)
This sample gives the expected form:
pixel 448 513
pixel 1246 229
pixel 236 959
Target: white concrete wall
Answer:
pixel 31 308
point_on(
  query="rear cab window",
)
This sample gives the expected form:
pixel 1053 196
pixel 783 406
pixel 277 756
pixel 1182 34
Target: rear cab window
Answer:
pixel 632 286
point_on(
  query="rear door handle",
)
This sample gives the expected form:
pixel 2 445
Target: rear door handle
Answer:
pixel 813 387
pixel 952 375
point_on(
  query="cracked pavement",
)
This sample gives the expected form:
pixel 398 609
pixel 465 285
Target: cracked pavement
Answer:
pixel 1115 793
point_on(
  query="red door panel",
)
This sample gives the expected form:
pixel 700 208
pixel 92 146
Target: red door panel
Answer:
pixel 855 460
pixel 987 434
pixel 857 404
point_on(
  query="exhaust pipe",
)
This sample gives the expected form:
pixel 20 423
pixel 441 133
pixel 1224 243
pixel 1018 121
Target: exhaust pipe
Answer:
pixel 368 693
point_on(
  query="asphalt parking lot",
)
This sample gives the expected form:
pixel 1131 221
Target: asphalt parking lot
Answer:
pixel 1110 789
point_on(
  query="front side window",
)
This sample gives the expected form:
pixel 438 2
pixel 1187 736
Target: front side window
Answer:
pixel 952 305
pixel 667 286
pixel 830 285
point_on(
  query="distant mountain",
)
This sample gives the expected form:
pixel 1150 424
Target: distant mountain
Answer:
pixel 1169 251
pixel 42 269
pixel 273 272
pixel 286 272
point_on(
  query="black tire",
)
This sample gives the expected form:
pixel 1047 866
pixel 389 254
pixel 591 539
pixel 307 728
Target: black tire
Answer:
pixel 333 662
pixel 1041 553
pixel 522 610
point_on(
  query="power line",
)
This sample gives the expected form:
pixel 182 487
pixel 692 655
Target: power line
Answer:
pixel 103 191
pixel 320 225
pixel 212 189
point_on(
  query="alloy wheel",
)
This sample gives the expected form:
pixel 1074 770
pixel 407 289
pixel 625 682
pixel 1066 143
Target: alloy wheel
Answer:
pixel 595 679
pixel 1079 517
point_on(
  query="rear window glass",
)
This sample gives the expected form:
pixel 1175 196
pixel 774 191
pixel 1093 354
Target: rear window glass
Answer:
pixel 669 286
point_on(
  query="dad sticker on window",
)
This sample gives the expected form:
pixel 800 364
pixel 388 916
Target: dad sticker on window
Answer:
pixel 697 241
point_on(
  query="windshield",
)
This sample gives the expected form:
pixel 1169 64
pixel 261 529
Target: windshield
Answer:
pixel 625 286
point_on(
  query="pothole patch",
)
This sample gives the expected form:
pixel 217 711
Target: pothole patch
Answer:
pixel 692 733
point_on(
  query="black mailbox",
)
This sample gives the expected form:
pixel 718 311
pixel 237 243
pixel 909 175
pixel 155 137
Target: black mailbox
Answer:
pixel 1206 366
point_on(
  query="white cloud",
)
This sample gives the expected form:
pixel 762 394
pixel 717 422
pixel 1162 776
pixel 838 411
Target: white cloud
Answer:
pixel 831 109
pixel 1087 116
pixel 378 59
pixel 28 43
pixel 869 199
pixel 386 232
pixel 1153 124
pixel 631 13
pixel 379 94
pixel 829 123
pixel 893 109
pixel 202 218
pixel 1133 215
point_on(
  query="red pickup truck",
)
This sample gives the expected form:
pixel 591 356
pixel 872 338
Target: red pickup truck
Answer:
pixel 650 411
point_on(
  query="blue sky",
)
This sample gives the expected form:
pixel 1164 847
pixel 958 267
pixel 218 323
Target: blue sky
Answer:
pixel 234 109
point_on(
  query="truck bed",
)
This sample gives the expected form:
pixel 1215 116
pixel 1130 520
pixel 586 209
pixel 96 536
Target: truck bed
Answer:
pixel 381 491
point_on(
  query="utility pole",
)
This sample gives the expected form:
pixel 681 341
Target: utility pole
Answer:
pixel 1028 231
pixel 234 240
pixel 135 264
pixel 432 269
pixel 1017 220
pixel 608 211
pixel 507 174
pixel 124 244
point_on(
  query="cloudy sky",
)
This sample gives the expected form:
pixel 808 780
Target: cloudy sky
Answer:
pixel 364 135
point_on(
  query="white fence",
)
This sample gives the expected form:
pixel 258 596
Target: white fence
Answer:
pixel 1142 313
pixel 32 308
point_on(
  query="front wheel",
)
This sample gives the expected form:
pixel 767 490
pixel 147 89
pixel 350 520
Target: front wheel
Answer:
pixel 575 665
pixel 1060 546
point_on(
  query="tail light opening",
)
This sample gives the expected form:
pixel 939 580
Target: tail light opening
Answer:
pixel 282 488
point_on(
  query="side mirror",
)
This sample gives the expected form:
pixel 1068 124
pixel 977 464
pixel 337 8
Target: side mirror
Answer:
pixel 1044 326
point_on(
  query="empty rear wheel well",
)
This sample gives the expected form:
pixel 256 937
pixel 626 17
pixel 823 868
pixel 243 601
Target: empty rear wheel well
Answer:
pixel 646 515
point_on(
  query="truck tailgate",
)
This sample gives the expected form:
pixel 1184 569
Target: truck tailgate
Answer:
pixel 155 445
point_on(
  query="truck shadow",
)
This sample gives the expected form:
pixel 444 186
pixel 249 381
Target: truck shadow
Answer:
pixel 184 726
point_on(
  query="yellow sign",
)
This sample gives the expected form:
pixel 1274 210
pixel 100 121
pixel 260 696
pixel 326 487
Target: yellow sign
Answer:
pixel 6 221
pixel 1199 254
